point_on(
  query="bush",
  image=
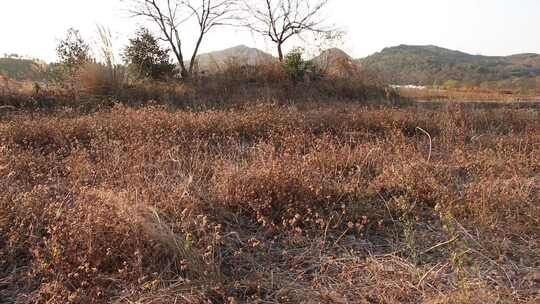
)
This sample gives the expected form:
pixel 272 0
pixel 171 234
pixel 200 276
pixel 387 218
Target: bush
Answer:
pixel 146 58
pixel 73 52
pixel 295 66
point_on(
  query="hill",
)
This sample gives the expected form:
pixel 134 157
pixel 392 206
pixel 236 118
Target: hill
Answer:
pixel 432 65
pixel 243 55
pixel 334 61
pixel 22 69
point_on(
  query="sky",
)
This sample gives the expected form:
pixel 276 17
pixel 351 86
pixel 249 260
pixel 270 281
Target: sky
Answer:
pixel 489 27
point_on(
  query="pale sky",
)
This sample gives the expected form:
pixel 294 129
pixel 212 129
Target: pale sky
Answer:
pixel 488 27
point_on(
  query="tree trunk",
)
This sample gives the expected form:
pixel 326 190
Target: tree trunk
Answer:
pixel 177 49
pixel 195 52
pixel 280 52
pixel 183 71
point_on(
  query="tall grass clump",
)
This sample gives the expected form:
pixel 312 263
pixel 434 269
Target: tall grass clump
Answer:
pixel 105 77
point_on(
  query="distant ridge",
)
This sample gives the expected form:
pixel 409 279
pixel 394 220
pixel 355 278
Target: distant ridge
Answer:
pixel 241 54
pixel 331 61
pixel 428 65
pixel 22 68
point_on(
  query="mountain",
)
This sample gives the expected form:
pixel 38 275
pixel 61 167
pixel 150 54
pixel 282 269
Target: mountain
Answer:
pixel 429 65
pixel 334 61
pixel 242 55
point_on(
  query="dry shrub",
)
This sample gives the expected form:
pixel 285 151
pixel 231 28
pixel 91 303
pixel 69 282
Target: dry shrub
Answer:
pixel 99 79
pixel 236 75
pixel 24 94
pixel 81 259
pixel 9 86
pixel 498 200
pixel 345 80
pixel 148 92
pixel 233 85
pixel 300 183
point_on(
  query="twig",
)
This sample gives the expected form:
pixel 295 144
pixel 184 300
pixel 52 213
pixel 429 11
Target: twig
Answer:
pixel 429 272
pixel 439 245
pixel 8 107
pixel 430 142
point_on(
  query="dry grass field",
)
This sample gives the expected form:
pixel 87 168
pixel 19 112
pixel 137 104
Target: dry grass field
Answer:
pixel 265 202
pixel 141 165
pixel 472 95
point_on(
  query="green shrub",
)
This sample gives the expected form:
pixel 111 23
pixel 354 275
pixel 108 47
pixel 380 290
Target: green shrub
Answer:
pixel 295 66
pixel 146 58
pixel 73 52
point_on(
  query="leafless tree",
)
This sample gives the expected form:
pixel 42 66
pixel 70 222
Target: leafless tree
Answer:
pixel 280 20
pixel 171 15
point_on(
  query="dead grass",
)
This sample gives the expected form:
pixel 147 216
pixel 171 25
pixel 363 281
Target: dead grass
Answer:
pixel 467 95
pixel 305 203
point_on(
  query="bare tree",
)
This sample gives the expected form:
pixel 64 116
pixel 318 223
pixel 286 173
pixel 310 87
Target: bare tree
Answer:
pixel 171 15
pixel 280 20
